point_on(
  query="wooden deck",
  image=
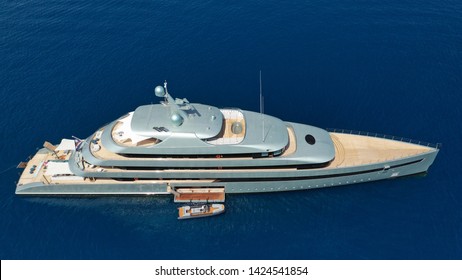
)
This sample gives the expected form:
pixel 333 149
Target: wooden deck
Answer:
pixel 105 154
pixel 199 195
pixel 351 150
pixel 226 135
pixel 30 174
pixel 128 142
pixel 292 146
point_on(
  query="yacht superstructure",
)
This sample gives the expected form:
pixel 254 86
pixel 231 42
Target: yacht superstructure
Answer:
pixel 195 150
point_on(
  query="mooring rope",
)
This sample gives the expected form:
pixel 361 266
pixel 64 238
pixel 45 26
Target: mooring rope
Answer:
pixel 9 168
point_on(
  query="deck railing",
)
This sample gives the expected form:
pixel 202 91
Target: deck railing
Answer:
pixel 402 139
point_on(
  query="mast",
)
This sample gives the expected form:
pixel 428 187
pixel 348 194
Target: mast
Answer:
pixel 177 115
pixel 262 108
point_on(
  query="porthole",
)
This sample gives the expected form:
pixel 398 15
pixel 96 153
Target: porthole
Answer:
pixel 310 139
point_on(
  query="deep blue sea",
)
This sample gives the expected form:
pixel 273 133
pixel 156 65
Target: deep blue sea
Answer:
pixel 393 67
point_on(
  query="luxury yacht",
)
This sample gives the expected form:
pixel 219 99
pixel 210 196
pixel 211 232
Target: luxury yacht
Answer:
pixel 199 152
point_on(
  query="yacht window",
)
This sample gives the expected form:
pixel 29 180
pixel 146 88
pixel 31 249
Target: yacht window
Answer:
pixel 310 139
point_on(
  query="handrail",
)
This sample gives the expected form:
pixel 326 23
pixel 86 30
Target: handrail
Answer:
pixel 402 139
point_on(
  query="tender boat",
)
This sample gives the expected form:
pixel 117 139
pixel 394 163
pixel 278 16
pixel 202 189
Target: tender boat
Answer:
pixel 206 210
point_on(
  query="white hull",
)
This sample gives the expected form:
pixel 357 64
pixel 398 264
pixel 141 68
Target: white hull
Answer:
pixel 307 179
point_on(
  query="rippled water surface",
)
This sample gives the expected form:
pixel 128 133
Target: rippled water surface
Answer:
pixel 394 67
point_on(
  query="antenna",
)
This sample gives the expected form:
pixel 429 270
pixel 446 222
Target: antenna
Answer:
pixel 262 108
pixel 177 115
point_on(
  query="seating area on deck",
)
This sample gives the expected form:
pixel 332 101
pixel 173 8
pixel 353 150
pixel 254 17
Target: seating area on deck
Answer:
pixel 233 129
pixel 123 135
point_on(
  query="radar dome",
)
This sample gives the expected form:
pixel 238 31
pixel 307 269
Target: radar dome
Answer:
pixel 176 119
pixel 159 91
pixel 236 128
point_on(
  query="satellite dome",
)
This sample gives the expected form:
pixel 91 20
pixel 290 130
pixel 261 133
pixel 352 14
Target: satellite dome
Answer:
pixel 159 91
pixel 176 119
pixel 236 128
